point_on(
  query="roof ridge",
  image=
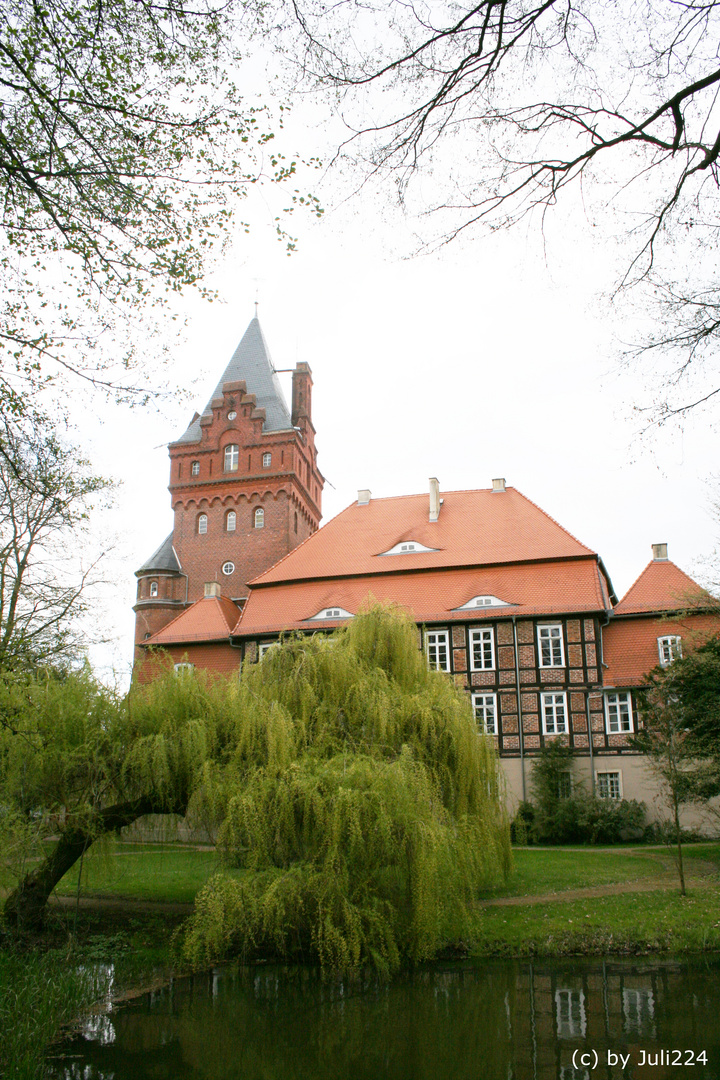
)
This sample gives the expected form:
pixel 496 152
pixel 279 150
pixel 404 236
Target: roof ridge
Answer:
pixel 299 546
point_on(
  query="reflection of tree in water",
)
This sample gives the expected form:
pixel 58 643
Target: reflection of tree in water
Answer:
pixel 512 1020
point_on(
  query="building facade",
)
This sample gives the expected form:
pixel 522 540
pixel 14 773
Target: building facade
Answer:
pixel 515 609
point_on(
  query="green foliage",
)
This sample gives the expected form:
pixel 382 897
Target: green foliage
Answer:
pixel 575 818
pixel 38 994
pixel 373 819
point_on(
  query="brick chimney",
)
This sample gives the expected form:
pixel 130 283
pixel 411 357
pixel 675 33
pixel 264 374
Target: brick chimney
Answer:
pixel 301 394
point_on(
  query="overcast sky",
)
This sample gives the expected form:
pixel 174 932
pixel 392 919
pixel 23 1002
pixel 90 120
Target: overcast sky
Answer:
pixel 494 357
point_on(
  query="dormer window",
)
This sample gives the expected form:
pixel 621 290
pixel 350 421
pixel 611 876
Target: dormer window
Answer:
pixel 484 601
pixel 232 457
pixel 267 461
pixel 669 649
pixel 407 547
pixel 331 613
pixel 195 468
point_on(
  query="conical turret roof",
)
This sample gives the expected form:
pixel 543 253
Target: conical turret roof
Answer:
pixel 251 363
pixel 164 558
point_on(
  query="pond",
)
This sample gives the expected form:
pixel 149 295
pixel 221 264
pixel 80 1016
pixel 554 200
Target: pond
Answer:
pixel 510 1020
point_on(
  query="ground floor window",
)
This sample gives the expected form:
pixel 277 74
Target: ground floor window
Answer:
pixel 485 709
pixel 554 713
pixel 570 1014
pixel 565 785
pixel 184 668
pixel 438 650
pixel 609 785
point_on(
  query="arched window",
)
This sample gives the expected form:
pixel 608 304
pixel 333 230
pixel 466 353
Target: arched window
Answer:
pixel 202 524
pixel 232 457
pixel 195 468
pixel 267 461
pixel 259 518
pixel 153 588
pixel 230 521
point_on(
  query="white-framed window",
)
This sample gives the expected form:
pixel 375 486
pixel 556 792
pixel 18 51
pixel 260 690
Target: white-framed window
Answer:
pixel 267 461
pixel 230 521
pixel 618 713
pixel 331 613
pixel 554 713
pixel 609 785
pixel 232 457
pixel 202 524
pixel 570 1013
pixel 669 649
pixel 231 415
pixel 482 649
pixel 228 568
pixel 263 648
pixel 485 709
pixel 259 518
pixel 482 601
pixel 437 644
pixel 184 668
pixel 550 645
pixel 153 588
pixel 195 468
pixel 407 547
pixel 638 1012
pixel 565 785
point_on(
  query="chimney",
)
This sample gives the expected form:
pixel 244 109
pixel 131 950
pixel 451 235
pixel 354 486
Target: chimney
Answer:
pixel 435 500
pixel 212 588
pixel 499 484
pixel 364 495
pixel 301 393
pixel 659 552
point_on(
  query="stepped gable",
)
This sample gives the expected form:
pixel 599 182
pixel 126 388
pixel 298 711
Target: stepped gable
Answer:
pixel 251 364
pixel 164 559
pixel 662 586
pixel 209 619
pixel 474 528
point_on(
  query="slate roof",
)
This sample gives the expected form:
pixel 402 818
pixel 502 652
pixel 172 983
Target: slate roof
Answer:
pixel 251 362
pixel 164 558
pixel 552 587
pixel 475 528
pixel 662 586
pixel 209 619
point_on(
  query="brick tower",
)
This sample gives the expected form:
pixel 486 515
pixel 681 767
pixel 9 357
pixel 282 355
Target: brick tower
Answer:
pixel 245 489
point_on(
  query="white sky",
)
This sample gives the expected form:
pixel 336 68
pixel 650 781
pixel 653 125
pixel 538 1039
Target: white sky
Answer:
pixel 494 357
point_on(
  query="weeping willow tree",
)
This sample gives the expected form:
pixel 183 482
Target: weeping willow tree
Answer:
pixel 358 811
pixel 358 802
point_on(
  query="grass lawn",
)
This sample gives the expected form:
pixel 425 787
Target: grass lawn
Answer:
pixel 175 872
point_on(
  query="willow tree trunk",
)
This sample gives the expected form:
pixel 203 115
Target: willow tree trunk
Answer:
pixel 24 908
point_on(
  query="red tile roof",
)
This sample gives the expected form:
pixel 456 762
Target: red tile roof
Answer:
pixel 552 587
pixel 475 528
pixel 630 646
pixel 662 586
pixel 210 619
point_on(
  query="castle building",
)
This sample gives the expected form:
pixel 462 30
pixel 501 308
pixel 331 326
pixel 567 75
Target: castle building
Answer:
pixel 515 609
pixel 245 490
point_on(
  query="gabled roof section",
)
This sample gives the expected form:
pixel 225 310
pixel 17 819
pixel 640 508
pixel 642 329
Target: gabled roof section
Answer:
pixel 475 528
pixel 164 558
pixel 251 363
pixel 209 619
pixel 433 596
pixel 662 586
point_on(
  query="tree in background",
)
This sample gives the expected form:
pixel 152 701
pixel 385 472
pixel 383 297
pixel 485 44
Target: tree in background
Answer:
pixel 46 493
pixel 344 778
pixel 124 147
pixel 680 734
pixel 501 106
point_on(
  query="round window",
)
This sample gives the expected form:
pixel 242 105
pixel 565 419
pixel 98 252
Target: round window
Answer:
pixel 228 568
pixel 232 414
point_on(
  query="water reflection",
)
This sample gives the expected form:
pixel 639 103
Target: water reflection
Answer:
pixel 505 1020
